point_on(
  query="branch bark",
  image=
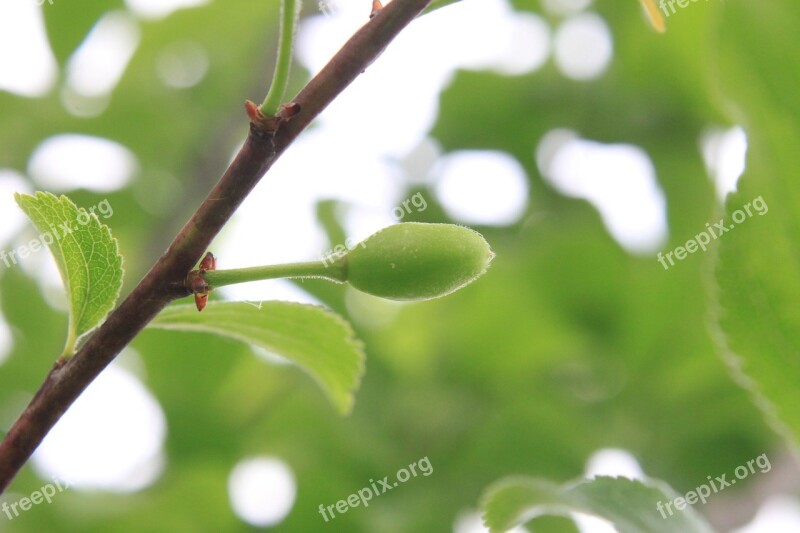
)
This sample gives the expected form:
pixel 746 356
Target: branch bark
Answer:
pixel 165 281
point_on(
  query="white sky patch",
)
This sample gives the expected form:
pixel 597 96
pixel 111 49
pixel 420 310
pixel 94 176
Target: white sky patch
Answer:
pixel 618 179
pixel 156 9
pixel 182 64
pixel 725 153
pixel 360 223
pixel 398 112
pixel 12 219
pixel 508 42
pixel 325 164
pixel 418 163
pixel 262 490
pixel 70 161
pixel 245 243
pixel 95 68
pixel 779 514
pixel 262 291
pixel 471 522
pixel 592 524
pixel 528 45
pixel 27 65
pixel 381 113
pixel 583 47
pixel 111 438
pixel 482 187
pixel 327 7
pixel 614 462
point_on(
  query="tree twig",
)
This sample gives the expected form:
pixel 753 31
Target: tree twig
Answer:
pixel 165 281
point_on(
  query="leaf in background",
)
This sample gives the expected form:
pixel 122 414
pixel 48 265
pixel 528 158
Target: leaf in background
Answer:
pixel 67 27
pixel 628 504
pixel 318 341
pixel 86 254
pixel 436 4
pixel 759 266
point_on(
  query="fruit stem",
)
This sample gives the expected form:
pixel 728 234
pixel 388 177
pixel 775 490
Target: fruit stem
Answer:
pixel 332 269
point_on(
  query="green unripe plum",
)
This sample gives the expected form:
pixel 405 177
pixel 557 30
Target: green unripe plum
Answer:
pixel 415 261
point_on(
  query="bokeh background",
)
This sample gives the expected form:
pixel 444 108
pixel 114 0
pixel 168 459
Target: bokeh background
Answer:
pixel 577 139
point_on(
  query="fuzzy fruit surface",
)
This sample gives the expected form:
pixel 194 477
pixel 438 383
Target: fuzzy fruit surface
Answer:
pixel 416 261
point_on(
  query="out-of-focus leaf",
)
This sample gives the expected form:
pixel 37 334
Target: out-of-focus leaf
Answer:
pixel 759 269
pixel 436 4
pixel 628 504
pixel 67 26
pixel 318 341
pixel 87 257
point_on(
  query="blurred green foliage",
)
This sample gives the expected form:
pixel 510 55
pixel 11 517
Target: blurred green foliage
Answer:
pixel 569 344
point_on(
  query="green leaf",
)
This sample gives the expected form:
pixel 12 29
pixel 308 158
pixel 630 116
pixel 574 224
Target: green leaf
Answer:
pixel 630 505
pixel 67 28
pixel 317 340
pixel 437 4
pixel 759 269
pixel 86 254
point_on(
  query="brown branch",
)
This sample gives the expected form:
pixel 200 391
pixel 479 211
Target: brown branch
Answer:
pixel 165 281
